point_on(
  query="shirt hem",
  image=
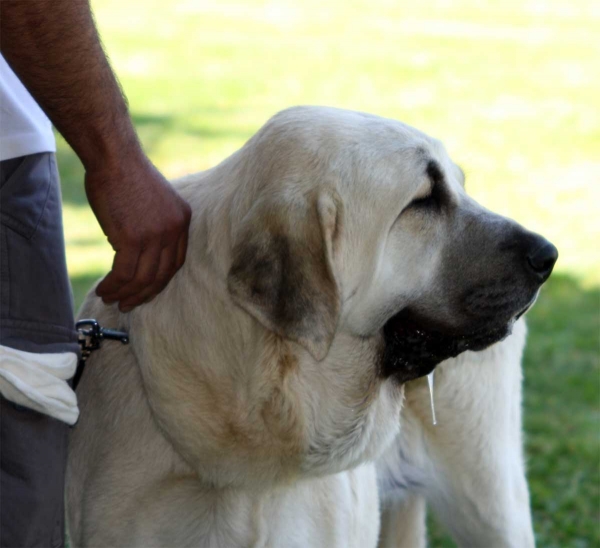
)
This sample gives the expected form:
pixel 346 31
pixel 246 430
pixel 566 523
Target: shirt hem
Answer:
pixel 26 144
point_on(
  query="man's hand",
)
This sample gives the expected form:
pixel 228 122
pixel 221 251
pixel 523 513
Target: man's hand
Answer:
pixel 146 223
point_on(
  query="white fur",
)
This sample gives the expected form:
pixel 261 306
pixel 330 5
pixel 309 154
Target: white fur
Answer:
pixel 219 426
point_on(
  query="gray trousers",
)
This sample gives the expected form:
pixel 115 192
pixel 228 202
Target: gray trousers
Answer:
pixel 36 315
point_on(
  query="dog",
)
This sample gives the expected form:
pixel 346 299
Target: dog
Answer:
pixel 334 260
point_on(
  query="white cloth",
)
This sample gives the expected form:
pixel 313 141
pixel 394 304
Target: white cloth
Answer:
pixel 39 381
pixel 24 128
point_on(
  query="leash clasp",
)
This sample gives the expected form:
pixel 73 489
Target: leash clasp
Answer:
pixel 90 336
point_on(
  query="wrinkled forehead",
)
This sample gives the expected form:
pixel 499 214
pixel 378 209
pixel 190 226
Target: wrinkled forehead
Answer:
pixel 391 161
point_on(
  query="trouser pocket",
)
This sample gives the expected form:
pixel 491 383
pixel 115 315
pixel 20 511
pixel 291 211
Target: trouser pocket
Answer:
pixel 35 296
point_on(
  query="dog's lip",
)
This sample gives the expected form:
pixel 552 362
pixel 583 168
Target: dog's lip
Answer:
pixel 403 324
pixel 415 344
pixel 413 348
pixel 528 306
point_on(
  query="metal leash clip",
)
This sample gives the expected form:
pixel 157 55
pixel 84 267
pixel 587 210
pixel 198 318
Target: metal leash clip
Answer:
pixel 91 334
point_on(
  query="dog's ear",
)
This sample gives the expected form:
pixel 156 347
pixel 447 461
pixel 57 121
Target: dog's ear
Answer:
pixel 283 268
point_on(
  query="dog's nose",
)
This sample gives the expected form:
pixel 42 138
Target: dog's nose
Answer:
pixel 542 259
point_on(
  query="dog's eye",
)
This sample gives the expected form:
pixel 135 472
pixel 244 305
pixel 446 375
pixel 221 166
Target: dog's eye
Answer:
pixel 432 202
pixel 424 202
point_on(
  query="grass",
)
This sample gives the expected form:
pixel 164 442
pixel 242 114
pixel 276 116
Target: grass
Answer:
pixel 562 419
pixel 511 88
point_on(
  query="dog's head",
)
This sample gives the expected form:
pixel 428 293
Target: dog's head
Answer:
pixel 362 226
pixel 334 257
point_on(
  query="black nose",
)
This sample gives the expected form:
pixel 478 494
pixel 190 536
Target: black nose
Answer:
pixel 542 259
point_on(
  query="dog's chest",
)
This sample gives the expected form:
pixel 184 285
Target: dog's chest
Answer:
pixel 341 510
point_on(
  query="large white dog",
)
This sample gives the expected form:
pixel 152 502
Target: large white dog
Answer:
pixel 333 259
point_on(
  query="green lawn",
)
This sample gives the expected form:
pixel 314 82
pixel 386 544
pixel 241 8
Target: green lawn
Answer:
pixel 511 88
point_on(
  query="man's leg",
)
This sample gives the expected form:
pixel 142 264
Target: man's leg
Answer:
pixel 33 449
pixel 36 316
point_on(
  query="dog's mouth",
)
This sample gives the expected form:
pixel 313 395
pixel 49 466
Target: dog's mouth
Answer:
pixel 413 346
pixel 526 308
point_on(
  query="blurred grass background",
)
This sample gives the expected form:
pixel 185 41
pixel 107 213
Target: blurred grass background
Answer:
pixel 512 88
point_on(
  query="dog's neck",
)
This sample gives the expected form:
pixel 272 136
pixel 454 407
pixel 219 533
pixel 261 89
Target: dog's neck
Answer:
pixel 212 197
pixel 191 345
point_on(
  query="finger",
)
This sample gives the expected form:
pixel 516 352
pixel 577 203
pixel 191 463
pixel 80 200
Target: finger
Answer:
pixel 122 272
pixel 144 276
pixel 166 271
pixel 182 249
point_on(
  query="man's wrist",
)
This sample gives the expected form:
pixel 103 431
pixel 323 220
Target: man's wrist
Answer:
pixel 109 152
pixel 126 168
pixel 107 138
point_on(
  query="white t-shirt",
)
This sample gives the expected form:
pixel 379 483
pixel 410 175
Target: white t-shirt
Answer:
pixel 24 128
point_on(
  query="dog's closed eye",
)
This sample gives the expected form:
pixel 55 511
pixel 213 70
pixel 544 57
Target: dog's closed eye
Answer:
pixel 430 200
pixel 433 198
pixel 423 202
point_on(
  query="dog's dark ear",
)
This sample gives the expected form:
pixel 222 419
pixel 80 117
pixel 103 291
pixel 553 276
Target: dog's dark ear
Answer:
pixel 283 268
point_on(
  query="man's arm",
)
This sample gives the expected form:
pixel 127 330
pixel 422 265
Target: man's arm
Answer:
pixel 54 48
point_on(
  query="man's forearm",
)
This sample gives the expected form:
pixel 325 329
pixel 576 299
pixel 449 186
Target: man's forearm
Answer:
pixel 53 47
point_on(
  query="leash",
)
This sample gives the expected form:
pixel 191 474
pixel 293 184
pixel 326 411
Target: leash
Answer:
pixel 90 336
